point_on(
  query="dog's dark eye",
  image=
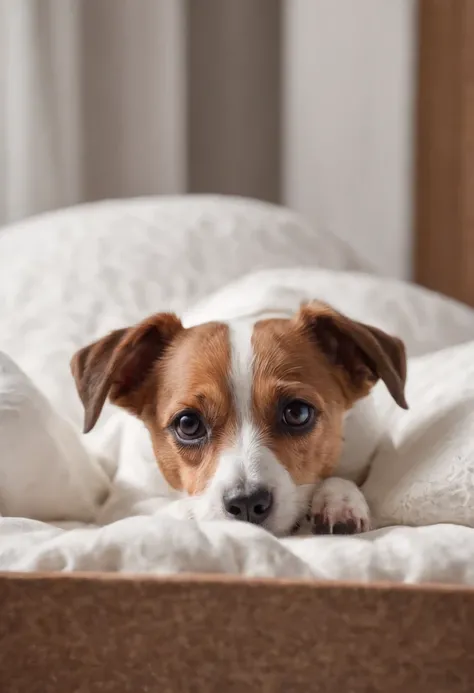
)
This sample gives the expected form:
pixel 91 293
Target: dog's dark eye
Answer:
pixel 189 427
pixel 297 414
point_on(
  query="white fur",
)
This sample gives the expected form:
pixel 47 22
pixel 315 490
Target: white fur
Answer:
pixel 246 463
pixel 241 367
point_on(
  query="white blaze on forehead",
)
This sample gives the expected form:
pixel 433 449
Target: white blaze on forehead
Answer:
pixel 244 461
pixel 242 456
pixel 241 368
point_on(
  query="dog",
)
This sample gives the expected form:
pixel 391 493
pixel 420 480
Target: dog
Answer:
pixel 246 417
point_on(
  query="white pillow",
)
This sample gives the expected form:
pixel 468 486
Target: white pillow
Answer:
pixel 423 472
pixel 45 472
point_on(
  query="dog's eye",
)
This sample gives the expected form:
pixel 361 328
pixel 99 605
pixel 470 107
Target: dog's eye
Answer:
pixel 189 427
pixel 297 414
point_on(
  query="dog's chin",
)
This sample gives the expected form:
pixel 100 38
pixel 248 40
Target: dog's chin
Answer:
pixel 288 510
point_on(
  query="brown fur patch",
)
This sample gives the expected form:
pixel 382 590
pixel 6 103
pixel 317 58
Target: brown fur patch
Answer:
pixel 193 375
pixel 329 361
pixel 288 366
pixel 117 365
pixel 361 353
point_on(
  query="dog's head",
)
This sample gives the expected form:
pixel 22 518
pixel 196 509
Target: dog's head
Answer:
pixel 247 416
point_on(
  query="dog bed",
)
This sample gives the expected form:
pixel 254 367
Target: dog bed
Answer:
pixel 96 504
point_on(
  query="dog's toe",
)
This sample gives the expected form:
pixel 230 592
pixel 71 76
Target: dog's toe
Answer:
pixel 339 507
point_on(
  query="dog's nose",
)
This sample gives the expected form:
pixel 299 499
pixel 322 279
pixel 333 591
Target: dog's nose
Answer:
pixel 253 507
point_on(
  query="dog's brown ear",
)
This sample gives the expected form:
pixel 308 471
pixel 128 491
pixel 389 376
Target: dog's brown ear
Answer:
pixel 364 353
pixel 118 365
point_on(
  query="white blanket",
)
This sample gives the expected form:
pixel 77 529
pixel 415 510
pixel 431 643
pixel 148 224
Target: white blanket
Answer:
pixel 98 503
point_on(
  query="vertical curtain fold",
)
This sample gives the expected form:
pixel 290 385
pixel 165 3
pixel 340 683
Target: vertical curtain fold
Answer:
pixel 234 81
pixel 118 98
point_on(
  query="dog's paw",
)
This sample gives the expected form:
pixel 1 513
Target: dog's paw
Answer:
pixel 339 507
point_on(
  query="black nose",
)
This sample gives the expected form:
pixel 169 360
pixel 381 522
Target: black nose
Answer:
pixel 254 507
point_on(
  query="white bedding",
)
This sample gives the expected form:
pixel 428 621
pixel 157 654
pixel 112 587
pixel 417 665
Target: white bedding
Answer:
pixel 154 544
pixel 69 277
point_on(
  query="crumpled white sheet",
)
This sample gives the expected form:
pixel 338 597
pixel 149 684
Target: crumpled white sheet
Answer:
pixel 159 544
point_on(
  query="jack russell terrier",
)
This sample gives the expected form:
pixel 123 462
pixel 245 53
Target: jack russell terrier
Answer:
pixel 246 417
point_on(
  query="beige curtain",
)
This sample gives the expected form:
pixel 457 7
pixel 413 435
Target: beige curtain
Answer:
pixel 117 98
pixel 91 101
pixel 40 128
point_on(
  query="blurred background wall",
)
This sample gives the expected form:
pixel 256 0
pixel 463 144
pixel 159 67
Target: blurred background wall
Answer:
pixel 349 92
pixel 304 102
